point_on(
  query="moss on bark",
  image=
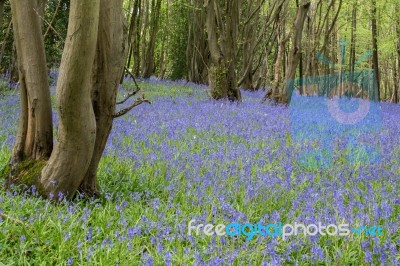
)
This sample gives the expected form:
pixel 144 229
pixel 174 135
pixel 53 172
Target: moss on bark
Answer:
pixel 218 82
pixel 25 174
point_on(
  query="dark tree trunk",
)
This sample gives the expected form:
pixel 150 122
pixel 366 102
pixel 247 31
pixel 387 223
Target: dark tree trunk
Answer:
pixel 1 11
pixel 397 87
pixel 222 39
pixel 197 50
pixel 148 64
pixel 375 60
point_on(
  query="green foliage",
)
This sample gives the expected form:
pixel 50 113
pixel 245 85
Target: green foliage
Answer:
pixel 179 27
pixel 54 41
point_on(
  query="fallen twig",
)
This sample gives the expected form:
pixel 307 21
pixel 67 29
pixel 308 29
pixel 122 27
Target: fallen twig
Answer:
pixel 5 216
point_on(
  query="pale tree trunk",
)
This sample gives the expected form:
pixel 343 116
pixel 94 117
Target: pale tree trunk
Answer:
pixel 40 9
pixel 73 151
pixel 111 54
pixel 35 137
pixel 278 81
pixel 222 39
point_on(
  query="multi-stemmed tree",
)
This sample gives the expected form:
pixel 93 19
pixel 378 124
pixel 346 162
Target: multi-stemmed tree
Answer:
pixel 91 67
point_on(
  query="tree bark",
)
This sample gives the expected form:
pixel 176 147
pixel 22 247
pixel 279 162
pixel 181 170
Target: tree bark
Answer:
pixel 134 27
pixel 197 51
pixel 353 37
pixel 73 151
pixel 1 11
pixel 294 56
pixel 109 64
pixel 222 39
pixel 35 135
pixel 148 63
pixel 375 60
pixel 398 56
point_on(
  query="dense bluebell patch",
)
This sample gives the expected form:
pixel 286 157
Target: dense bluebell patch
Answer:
pixel 186 157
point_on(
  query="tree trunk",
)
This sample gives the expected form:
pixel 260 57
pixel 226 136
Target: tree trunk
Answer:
pixel 1 11
pixel 222 43
pixel 148 64
pixel 398 57
pixel 35 135
pixel 353 38
pixel 375 60
pixel 136 41
pixel 294 56
pixel 250 43
pixel 111 54
pixel 133 28
pixel 144 33
pixel 73 151
pixel 197 50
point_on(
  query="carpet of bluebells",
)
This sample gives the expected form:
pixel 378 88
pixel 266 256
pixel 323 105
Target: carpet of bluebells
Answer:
pixel 186 157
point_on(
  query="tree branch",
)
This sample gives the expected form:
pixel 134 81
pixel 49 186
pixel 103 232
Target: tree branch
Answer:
pixel 126 110
pixel 131 94
pixel 133 77
pixel 52 20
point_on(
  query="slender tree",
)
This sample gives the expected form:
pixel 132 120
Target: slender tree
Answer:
pixel 2 2
pixel 149 48
pixel 197 50
pixel 375 60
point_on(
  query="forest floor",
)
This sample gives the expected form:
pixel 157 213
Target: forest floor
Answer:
pixel 186 157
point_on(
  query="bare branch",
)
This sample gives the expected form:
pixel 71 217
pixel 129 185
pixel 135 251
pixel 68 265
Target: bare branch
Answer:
pixel 50 26
pixel 133 77
pixel 52 20
pixel 131 94
pixel 126 110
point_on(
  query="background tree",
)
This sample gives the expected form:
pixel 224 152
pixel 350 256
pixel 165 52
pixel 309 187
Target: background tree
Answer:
pixel 375 60
pixel 222 28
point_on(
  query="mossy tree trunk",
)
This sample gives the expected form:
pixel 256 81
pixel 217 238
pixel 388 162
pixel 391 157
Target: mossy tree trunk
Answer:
pixel 91 66
pixel 222 39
